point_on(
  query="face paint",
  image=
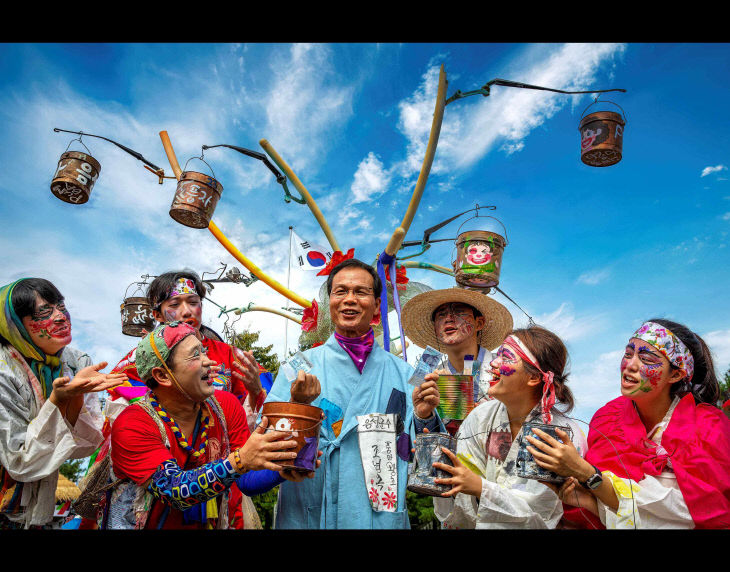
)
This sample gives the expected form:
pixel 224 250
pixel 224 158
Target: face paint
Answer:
pixel 453 323
pixel 647 376
pixel 186 308
pixel 509 361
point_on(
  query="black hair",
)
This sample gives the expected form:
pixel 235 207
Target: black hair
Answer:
pixel 377 283
pixel 161 286
pixel 23 298
pixel 552 355
pixel 703 385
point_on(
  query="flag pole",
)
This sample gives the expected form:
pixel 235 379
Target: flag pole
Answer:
pixel 286 323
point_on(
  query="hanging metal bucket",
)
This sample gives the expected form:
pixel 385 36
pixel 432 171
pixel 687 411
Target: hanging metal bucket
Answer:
pixel 75 177
pixel 527 468
pixel 137 316
pixel 602 136
pixel 478 259
pixel 428 451
pixel 196 197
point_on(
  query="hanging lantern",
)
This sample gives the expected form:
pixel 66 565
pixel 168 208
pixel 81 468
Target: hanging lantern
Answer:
pixel 602 136
pixel 75 177
pixel 479 258
pixel 136 314
pixel 196 197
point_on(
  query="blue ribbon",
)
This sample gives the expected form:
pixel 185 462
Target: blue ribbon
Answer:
pixel 384 260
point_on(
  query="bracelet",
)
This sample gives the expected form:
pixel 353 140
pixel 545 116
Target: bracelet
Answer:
pixel 240 469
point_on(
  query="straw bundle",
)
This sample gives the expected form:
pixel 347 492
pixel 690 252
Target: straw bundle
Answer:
pixel 66 490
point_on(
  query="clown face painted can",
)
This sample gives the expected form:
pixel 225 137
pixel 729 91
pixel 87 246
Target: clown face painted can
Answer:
pixel 75 177
pixel 601 138
pixel 136 317
pixel 195 199
pixel 478 259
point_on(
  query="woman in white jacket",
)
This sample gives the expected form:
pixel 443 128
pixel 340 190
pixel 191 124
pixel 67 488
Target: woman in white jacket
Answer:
pixel 48 412
pixel 528 379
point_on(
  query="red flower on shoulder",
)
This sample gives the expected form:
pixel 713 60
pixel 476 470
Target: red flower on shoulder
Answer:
pixel 316 344
pixel 337 257
pixel 309 318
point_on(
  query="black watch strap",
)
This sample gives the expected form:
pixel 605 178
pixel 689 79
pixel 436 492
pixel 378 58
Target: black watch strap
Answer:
pixel 594 480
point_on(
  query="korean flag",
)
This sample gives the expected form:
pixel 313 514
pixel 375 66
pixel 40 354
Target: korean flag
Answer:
pixel 308 256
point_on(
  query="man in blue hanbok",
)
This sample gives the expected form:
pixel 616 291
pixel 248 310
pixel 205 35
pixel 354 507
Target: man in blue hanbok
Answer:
pixel 370 417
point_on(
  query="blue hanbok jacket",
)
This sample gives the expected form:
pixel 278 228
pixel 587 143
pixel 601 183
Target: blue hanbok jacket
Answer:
pixel 337 497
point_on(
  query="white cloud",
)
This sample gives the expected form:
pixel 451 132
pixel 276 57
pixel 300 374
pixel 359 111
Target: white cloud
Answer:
pixel 595 382
pixel 569 326
pixel 594 277
pixel 472 129
pixel 719 344
pixel 709 170
pixel 726 216
pixel 370 180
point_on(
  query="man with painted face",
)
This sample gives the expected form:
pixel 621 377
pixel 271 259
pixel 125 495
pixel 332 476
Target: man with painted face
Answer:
pixel 458 323
pixel 48 408
pixel 181 447
pixel 366 433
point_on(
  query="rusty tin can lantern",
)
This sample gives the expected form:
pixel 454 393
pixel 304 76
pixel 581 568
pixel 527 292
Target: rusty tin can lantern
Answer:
pixel 602 136
pixel 302 422
pixel 479 258
pixel 196 197
pixel 75 176
pixel 136 314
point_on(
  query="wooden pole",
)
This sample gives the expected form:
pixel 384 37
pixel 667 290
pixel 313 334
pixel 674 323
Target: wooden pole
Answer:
pixel 438 116
pixel 271 152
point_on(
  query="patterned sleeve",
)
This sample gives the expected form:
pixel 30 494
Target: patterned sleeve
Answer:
pixel 183 489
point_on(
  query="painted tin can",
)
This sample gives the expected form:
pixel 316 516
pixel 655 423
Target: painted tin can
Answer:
pixel 601 138
pixel 75 177
pixel 428 451
pixel 302 422
pixel 527 468
pixel 457 396
pixel 478 259
pixel 195 199
pixel 136 316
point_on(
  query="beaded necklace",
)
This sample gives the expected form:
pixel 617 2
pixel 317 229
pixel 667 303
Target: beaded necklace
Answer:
pixel 178 433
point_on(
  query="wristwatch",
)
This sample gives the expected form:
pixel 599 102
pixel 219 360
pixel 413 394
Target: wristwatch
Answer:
pixel 594 481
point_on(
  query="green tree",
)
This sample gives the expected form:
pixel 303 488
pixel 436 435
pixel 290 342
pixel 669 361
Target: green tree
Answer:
pixel 247 341
pixel 725 387
pixel 420 511
pixel 73 469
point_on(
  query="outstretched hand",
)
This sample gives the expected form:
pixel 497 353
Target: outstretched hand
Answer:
pixel 88 380
pixel 245 369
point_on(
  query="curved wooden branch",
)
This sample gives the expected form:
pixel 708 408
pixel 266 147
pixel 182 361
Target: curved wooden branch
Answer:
pixel 271 152
pixel 254 308
pixel 438 116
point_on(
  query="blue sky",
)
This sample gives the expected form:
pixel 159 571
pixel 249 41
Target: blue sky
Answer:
pixel 592 253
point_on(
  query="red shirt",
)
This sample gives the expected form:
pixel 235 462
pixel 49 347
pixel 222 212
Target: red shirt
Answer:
pixel 138 450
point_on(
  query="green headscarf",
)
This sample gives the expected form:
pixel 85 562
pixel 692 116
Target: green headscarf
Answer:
pixel 45 367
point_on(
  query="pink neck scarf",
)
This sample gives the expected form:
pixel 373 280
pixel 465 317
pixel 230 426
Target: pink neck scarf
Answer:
pixel 548 388
pixel 357 348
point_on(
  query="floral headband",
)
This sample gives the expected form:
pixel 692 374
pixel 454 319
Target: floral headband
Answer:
pixel 548 389
pixel 668 345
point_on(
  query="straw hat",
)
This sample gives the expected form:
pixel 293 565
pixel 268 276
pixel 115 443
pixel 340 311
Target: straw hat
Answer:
pixel 417 324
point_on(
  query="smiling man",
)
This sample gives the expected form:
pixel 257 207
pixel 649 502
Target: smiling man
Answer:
pixel 180 448
pixel 365 436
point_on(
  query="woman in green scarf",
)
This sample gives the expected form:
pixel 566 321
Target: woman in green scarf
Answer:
pixel 48 412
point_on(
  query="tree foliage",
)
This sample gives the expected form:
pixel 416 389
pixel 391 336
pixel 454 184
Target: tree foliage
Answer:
pixel 73 468
pixel 247 341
